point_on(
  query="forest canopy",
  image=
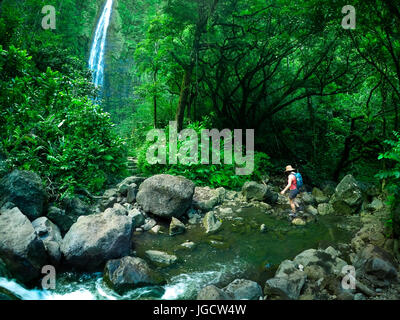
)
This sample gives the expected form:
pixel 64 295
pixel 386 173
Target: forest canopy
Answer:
pixel 318 95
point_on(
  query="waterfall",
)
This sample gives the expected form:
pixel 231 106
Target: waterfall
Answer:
pixel 96 59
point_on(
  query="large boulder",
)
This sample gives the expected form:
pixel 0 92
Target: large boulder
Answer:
pixel 285 287
pixel 20 247
pixel 260 192
pixel 165 195
pixel 97 238
pixel 129 273
pixel 205 198
pixel 348 196
pixel 242 289
pixel 50 234
pixel 327 259
pixel 26 191
pixel 376 263
pixel 211 292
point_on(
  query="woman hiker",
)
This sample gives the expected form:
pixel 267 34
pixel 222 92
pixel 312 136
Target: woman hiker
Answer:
pixel 292 186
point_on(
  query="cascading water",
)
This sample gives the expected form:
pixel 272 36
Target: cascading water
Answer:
pixel 96 59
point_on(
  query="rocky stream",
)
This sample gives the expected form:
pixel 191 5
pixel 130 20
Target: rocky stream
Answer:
pixel 165 238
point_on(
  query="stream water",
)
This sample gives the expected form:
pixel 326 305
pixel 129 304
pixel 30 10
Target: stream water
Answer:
pixel 237 250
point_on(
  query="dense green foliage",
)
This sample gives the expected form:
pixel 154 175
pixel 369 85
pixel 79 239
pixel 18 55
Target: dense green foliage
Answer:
pixel 391 176
pixel 49 125
pixel 213 175
pixel 318 96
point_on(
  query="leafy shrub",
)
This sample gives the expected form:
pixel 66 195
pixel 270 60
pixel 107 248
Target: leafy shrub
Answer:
pixel 213 175
pixel 49 125
pixel 392 176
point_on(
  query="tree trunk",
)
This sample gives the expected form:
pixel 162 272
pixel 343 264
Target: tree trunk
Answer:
pixel 155 99
pixel 183 98
pixel 348 145
pixel 204 15
pixel 313 135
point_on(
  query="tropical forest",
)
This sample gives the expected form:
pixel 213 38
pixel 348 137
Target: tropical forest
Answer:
pixel 199 150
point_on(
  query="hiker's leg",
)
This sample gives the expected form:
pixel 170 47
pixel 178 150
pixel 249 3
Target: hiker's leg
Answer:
pixel 292 205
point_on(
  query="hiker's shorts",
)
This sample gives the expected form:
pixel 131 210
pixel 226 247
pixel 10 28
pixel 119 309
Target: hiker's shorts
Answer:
pixel 293 193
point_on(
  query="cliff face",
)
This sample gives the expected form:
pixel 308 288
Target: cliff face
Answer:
pixel 119 68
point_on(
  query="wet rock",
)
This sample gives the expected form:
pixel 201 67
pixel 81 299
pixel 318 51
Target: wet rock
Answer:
pixel 165 195
pixel 50 234
pixel 97 238
pixel 194 218
pixel 76 207
pixel 285 287
pixel 319 196
pixel 61 219
pixel 4 273
pixel 345 296
pixel 156 229
pixel 160 257
pixel 359 296
pixel 137 217
pixel 377 263
pixel 110 197
pixel 307 198
pixel 148 224
pixel 211 292
pixel 231 195
pixel 188 245
pixel 110 193
pixel 369 234
pixel 176 227
pixel 375 205
pixel 328 188
pixel 21 249
pixel 26 191
pixel 128 273
pixel 252 190
pixel 298 222
pixel 348 197
pixel 131 194
pixel 325 208
pixel 242 289
pixel 225 211
pixel 206 199
pixel 328 259
pixel 310 209
pixel 117 209
pixel 211 223
pixel 132 182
